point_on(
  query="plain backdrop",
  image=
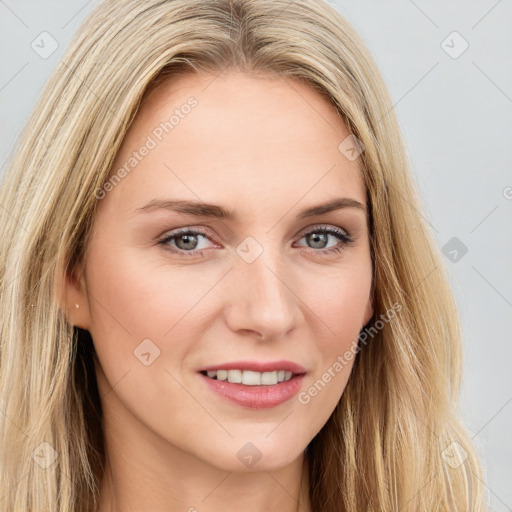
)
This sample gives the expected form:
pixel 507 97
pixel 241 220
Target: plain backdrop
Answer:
pixel 448 67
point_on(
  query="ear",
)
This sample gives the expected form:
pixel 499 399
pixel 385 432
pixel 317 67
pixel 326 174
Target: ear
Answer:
pixel 72 298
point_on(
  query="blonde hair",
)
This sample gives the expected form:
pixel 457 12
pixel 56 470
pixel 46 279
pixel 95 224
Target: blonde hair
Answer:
pixel 384 446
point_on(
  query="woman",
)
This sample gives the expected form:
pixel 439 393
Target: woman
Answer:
pixel 217 289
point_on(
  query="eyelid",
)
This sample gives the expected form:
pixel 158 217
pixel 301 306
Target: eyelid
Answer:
pixel 206 230
pixel 203 230
pixel 308 229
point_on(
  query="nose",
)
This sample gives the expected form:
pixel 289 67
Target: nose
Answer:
pixel 262 300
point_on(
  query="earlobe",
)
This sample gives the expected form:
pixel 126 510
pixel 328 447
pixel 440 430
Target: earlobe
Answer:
pixel 71 297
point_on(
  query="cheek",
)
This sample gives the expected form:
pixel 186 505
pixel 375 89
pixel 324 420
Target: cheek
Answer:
pixel 133 300
pixel 142 297
pixel 338 305
pixel 146 317
pixel 339 299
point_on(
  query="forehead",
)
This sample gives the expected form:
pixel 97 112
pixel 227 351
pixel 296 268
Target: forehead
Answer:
pixel 235 137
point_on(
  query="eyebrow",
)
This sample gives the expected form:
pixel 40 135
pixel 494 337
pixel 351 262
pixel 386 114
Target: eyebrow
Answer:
pixel 200 209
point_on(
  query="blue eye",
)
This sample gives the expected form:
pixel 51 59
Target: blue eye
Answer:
pixel 185 241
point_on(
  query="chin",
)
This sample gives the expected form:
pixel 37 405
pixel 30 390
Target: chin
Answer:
pixel 254 454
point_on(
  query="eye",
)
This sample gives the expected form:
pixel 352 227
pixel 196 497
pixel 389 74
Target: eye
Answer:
pixel 319 238
pixel 187 242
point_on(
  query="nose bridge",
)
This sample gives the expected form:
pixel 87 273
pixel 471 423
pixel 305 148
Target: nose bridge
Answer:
pixel 263 300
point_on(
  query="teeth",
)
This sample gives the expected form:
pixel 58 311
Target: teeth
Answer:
pixel 235 376
pixel 269 378
pixel 251 378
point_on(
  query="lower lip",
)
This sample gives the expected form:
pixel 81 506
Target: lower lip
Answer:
pixel 256 397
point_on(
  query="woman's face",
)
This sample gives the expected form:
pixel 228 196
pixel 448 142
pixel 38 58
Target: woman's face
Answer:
pixel 263 286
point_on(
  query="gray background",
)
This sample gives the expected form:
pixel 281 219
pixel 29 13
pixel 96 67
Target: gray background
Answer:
pixel 455 113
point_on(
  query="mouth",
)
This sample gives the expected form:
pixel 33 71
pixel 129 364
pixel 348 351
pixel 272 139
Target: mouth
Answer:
pixel 250 377
pixel 253 389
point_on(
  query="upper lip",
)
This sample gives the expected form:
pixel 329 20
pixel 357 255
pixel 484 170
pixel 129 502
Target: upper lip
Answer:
pixel 258 366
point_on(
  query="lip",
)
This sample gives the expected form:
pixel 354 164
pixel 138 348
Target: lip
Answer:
pixel 258 366
pixel 255 397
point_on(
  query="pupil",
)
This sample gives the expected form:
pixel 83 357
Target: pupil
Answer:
pixel 319 236
pixel 188 239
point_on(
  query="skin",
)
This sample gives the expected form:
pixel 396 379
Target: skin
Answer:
pixel 267 148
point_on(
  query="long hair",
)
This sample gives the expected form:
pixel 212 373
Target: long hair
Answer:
pixel 393 442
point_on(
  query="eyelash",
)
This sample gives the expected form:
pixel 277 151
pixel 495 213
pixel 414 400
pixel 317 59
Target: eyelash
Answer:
pixel 342 235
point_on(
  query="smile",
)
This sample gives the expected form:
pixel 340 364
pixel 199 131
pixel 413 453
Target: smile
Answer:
pixel 249 377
